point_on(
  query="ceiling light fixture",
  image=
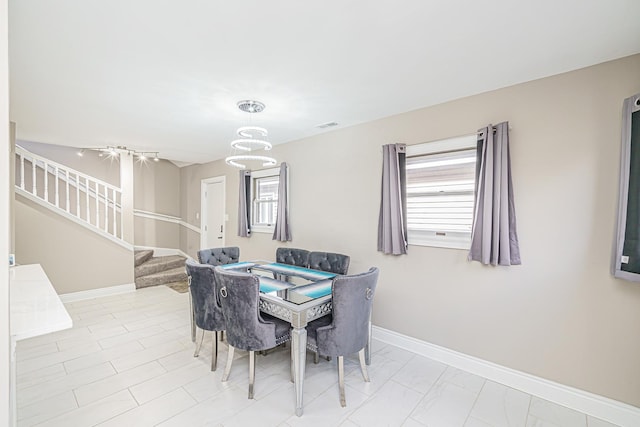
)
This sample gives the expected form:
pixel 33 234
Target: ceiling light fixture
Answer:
pixel 250 139
pixel 114 151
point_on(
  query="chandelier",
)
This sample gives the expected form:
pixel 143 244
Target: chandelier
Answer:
pixel 250 139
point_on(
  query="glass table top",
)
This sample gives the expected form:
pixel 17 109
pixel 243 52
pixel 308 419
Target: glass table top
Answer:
pixel 294 284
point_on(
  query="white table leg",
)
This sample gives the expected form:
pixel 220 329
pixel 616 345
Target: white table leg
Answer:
pixel 299 344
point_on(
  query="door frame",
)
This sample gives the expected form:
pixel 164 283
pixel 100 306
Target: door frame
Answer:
pixel 203 211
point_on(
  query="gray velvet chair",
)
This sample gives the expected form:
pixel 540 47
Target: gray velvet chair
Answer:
pixel 292 256
pixel 207 312
pixel 215 256
pixel 327 261
pixel 346 331
pixel 219 256
pixel 247 328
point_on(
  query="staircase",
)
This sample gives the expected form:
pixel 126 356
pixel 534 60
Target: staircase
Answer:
pixel 97 206
pixel 88 201
pixel 161 270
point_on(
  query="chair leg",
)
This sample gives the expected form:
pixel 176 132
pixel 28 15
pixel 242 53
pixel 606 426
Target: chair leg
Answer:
pixel 214 355
pixel 252 372
pixel 227 369
pixel 343 400
pixel 198 346
pixel 363 365
pixel 193 320
pixel 316 358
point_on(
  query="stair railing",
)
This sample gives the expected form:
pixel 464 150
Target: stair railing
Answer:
pixel 88 199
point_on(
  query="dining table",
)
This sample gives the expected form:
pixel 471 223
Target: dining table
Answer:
pixel 297 295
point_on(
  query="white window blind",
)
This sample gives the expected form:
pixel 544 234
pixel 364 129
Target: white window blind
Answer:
pixel 265 199
pixel 440 191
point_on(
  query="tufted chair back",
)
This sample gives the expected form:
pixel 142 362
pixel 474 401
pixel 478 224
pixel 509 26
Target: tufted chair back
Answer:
pixel 327 261
pixel 352 301
pixel 239 294
pixel 247 329
pixel 202 285
pixel 292 256
pixel 219 256
pixel 347 331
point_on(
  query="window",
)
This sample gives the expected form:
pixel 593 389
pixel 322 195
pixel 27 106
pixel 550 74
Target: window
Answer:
pixel 440 192
pixel 264 196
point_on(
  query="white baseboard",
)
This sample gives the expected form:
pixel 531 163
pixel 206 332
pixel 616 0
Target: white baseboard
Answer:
pixel 95 293
pixel 163 251
pixel 595 405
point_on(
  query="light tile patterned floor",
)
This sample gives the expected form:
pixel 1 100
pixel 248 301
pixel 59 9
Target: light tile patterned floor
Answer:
pixel 128 361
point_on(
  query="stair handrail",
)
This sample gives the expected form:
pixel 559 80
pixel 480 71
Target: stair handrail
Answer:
pixel 93 197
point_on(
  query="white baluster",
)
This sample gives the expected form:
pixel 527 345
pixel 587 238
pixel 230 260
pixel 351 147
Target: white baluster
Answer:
pixel 77 195
pixel 33 177
pixel 46 182
pixel 57 177
pixel 22 172
pixel 121 221
pixel 66 175
pixel 106 209
pixel 86 188
pixel 96 194
pixel 114 213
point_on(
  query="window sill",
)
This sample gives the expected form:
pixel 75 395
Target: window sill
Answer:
pixel 442 245
pixel 265 229
pixel 449 242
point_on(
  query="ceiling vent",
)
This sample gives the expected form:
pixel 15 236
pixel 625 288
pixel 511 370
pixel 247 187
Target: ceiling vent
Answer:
pixel 327 125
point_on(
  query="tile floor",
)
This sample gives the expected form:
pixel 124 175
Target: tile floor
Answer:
pixel 128 361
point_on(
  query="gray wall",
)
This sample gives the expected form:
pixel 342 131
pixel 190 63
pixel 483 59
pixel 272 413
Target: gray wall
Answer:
pixel 157 190
pixel 153 233
pixel 560 315
pixel 157 187
pixel 74 258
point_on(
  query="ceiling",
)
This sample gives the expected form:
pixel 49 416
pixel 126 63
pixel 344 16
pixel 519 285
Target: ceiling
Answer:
pixel 166 75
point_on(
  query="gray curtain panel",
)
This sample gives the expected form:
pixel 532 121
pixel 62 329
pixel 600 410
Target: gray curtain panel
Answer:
pixel 494 239
pixel 282 231
pixel 244 203
pixel 392 225
pixel 628 237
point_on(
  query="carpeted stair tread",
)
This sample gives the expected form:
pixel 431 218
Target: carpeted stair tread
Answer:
pixel 142 256
pixel 177 274
pixel 158 264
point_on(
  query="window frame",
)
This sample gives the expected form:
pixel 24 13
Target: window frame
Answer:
pixel 255 176
pixel 431 238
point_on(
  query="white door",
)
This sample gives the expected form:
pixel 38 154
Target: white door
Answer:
pixel 213 213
